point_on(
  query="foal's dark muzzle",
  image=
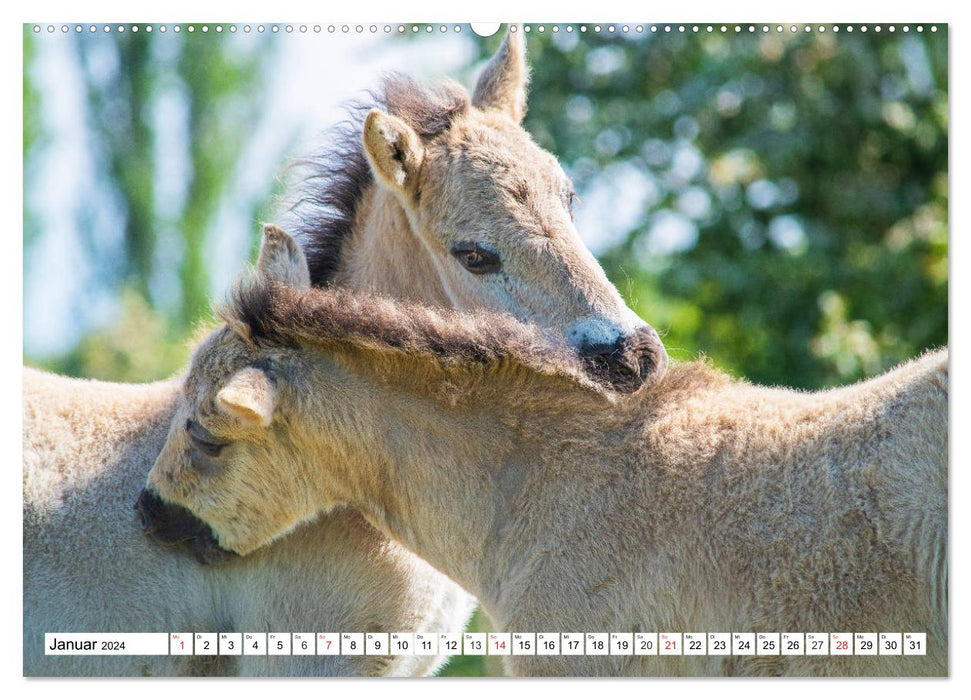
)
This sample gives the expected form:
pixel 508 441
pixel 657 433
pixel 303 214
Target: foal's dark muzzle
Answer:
pixel 627 363
pixel 170 524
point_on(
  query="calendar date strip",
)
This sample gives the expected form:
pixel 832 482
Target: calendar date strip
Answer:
pixel 488 644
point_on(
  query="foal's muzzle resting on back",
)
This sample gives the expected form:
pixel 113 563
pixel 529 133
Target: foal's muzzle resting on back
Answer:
pixel 171 524
pixel 628 362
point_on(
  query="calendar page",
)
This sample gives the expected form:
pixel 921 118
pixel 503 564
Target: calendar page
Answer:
pixel 719 446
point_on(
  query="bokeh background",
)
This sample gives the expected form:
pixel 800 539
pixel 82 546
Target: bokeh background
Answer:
pixel 776 201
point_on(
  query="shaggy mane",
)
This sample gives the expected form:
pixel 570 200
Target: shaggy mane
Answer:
pixel 268 312
pixel 332 183
pixel 282 315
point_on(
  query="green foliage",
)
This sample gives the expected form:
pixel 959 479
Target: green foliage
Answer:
pixel 31 97
pixel 224 90
pixel 33 126
pixel 807 174
pixel 207 90
pixel 120 105
pixel 138 347
pixel 220 86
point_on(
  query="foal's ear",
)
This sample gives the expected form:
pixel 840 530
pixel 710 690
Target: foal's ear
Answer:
pixel 250 397
pixel 394 150
pixel 502 85
pixel 281 259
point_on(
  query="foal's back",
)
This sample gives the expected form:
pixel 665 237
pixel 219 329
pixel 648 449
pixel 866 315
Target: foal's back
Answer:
pixel 87 568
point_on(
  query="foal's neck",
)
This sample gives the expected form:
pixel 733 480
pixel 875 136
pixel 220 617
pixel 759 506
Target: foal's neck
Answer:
pixel 383 255
pixel 445 482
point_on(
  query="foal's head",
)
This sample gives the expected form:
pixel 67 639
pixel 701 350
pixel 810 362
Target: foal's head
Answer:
pixel 493 212
pixel 270 410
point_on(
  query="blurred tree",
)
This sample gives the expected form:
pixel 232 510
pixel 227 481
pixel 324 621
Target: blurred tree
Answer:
pixel 138 346
pixel 220 85
pixel 119 93
pixel 33 128
pixel 166 119
pixel 789 191
pixel 225 94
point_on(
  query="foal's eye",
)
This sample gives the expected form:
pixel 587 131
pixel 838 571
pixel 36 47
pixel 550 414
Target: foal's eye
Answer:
pixel 476 258
pixel 203 440
pixel 210 449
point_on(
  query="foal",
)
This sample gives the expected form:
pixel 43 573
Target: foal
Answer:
pixel 698 503
pixel 441 198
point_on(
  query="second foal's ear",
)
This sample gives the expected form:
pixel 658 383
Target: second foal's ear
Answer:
pixel 281 259
pixel 250 397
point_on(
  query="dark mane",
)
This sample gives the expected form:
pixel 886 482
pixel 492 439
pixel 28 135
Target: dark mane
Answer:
pixel 275 314
pixel 332 183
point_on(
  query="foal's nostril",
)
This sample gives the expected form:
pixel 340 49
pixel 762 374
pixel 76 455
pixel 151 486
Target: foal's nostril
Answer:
pixel 627 363
pixel 651 354
pixel 601 351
